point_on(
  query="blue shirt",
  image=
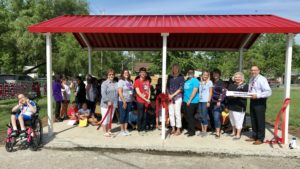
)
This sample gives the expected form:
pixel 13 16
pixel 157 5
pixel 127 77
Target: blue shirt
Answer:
pixel 204 90
pixel 260 86
pixel 174 83
pixel 26 110
pixel 189 85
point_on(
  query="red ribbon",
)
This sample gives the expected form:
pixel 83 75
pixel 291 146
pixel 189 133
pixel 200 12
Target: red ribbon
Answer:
pixel 282 113
pixel 109 111
pixel 162 101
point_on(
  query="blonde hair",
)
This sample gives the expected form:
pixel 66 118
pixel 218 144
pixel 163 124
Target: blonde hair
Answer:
pixel 208 73
pixel 241 74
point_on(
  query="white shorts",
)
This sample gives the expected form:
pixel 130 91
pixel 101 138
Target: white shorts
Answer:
pixel 107 119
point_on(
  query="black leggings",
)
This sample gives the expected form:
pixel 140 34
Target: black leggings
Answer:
pixel 190 111
pixel 142 117
pixel 57 109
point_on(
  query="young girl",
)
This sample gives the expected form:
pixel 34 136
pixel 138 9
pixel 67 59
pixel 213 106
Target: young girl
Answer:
pixel 72 111
pixel 84 112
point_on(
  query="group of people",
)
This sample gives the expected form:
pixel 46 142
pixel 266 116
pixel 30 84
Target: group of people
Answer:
pixel 207 96
pixel 186 98
pixel 204 96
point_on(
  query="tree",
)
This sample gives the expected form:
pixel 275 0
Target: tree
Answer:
pixel 25 48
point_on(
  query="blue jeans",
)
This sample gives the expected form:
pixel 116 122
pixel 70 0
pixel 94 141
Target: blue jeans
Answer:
pixel 124 112
pixel 217 114
pixel 132 118
pixel 203 110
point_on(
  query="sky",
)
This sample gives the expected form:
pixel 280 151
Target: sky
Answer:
pixel 286 8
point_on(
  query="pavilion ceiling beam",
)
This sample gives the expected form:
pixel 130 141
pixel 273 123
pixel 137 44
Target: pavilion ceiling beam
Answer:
pixel 89 51
pixel 85 40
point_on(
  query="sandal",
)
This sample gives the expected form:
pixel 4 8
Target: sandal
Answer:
pixel 217 136
pixel 177 133
pixel 237 138
pixel 232 135
pixel 106 135
pixel 173 131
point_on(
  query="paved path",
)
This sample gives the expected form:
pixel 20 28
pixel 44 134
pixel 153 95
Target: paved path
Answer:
pixel 70 137
pixel 98 159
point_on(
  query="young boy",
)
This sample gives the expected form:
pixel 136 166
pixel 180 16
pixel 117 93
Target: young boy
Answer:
pixel 22 111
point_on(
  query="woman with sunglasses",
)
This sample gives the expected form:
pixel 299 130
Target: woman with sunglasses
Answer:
pixel 109 92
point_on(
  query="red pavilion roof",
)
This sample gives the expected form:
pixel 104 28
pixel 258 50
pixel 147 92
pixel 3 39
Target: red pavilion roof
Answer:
pixel 186 32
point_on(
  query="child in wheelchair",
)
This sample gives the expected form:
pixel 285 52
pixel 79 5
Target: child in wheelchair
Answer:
pixel 21 112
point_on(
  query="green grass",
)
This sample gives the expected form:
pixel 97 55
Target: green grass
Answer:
pixel 275 102
pixel 6 106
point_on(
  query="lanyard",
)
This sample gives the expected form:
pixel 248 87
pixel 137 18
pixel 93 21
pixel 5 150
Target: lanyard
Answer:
pixel 24 109
pixel 202 88
pixel 253 83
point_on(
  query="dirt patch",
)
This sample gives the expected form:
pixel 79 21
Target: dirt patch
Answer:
pixel 295 131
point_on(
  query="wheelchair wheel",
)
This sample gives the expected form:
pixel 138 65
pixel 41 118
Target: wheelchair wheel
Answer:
pixel 9 146
pixel 36 140
pixel 39 131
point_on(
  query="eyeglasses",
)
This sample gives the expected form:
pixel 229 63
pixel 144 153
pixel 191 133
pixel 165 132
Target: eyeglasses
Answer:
pixel 111 74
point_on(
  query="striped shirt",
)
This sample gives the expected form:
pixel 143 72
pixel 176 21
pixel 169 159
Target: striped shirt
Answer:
pixel 109 92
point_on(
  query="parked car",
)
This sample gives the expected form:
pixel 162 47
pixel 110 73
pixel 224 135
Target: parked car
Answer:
pixel 12 84
pixel 273 83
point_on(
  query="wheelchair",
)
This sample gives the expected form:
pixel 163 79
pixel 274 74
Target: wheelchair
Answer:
pixel 33 139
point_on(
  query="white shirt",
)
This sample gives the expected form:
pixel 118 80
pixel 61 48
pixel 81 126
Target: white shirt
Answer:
pixel 68 92
pixel 260 86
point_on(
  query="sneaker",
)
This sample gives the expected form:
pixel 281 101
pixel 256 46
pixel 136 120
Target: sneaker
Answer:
pixel 235 138
pixel 191 134
pixel 23 133
pixel 127 132
pixel 123 133
pixel 204 134
pixel 14 133
pixel 142 133
pixel 58 120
